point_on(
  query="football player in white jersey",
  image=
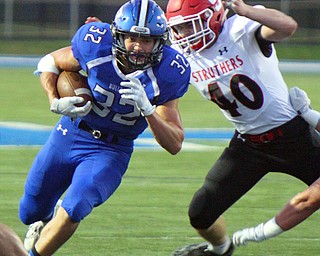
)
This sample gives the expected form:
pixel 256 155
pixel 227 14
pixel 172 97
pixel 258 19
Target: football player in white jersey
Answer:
pixel 300 206
pixel 234 64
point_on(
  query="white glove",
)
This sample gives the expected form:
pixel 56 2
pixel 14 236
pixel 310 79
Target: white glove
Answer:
pixel 301 103
pixel 136 92
pixel 66 106
pixel 299 100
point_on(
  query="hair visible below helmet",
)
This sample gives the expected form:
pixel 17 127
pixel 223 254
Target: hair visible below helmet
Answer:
pixel 207 15
pixel 139 18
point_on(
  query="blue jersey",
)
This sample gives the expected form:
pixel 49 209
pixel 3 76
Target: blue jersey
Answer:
pixel 72 161
pixel 168 80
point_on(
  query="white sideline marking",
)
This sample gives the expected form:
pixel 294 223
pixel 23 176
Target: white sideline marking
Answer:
pixel 151 144
pixel 30 126
pixel 191 238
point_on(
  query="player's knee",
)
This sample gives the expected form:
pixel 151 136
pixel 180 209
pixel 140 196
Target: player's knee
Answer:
pixel 77 209
pixel 200 210
pixel 26 218
pixel 29 212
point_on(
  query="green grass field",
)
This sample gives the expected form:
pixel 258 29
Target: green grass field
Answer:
pixel 147 216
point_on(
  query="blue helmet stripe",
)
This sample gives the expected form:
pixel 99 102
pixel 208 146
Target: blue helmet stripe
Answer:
pixel 143 13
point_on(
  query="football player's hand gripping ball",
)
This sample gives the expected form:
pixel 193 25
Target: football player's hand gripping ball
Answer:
pixel 66 106
pixel 134 91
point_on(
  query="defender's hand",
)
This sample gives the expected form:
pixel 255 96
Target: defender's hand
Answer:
pixel 301 103
pixel 136 92
pixel 92 19
pixel 228 3
pixel 66 106
pixel 299 100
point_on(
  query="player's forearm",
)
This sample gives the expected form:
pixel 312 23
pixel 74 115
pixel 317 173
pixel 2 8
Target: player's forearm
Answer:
pixel 273 19
pixel 169 135
pixel 300 207
pixel 291 216
pixel 48 81
pixel 278 25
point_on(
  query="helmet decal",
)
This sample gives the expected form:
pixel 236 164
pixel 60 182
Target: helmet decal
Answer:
pixel 143 13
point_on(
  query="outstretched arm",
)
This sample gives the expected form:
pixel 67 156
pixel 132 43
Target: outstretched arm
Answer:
pixel 299 208
pixel 276 25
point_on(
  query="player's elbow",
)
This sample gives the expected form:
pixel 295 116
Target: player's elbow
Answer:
pixel 173 147
pixel 291 27
pixel 176 150
pixel 172 140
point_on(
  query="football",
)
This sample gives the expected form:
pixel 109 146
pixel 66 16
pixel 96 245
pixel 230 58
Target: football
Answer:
pixel 74 84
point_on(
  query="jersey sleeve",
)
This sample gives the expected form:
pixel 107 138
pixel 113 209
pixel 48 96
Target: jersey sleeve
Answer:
pixel 91 41
pixel 174 76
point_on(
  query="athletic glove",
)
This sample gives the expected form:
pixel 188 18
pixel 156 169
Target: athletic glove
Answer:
pixel 299 100
pixel 66 106
pixel 135 91
pixel 301 103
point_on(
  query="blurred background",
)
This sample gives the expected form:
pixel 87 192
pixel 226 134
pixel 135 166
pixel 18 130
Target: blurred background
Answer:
pixel 59 19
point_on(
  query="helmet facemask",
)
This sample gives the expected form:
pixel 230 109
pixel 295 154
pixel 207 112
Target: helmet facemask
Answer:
pixel 206 18
pixel 137 60
pixel 202 35
pixel 142 19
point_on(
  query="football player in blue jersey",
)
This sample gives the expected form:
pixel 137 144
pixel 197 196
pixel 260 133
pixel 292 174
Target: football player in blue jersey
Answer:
pixel 136 81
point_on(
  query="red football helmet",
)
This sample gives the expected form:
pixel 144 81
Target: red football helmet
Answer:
pixel 201 19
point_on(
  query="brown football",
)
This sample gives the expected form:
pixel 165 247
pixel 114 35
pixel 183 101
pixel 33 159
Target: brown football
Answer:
pixel 74 84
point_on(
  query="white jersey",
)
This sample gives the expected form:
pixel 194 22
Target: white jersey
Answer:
pixel 247 86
